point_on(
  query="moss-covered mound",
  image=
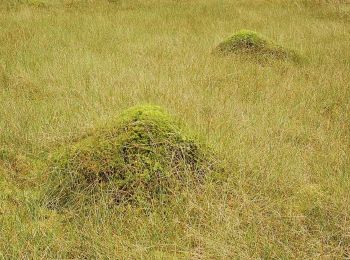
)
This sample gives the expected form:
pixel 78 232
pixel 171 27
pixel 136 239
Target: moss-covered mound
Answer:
pixel 252 43
pixel 139 156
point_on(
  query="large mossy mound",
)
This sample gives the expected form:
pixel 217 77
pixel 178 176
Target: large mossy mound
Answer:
pixel 139 156
pixel 254 44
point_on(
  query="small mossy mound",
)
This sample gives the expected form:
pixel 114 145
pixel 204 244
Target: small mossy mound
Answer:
pixel 139 156
pixel 252 43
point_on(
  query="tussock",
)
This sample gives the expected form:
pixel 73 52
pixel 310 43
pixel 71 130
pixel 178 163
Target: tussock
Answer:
pixel 251 43
pixel 140 156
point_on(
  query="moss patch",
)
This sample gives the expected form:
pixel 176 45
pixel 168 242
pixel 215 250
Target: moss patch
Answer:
pixel 253 44
pixel 139 156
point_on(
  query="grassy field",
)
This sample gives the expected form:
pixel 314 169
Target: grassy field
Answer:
pixel 280 130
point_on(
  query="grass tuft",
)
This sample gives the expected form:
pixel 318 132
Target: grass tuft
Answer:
pixel 248 42
pixel 140 156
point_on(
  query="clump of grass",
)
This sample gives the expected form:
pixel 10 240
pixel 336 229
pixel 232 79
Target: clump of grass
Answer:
pixel 251 43
pixel 140 156
pixel 13 162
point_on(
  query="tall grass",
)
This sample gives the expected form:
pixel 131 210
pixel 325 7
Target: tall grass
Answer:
pixel 283 129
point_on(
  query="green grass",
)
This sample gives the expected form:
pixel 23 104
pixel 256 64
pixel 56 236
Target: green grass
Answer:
pixel 254 45
pixel 281 130
pixel 140 157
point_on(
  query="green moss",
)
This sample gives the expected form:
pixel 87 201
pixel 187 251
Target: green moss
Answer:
pixel 252 43
pixel 141 155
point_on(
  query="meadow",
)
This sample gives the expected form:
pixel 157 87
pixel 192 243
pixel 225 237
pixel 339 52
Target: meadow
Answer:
pixel 279 130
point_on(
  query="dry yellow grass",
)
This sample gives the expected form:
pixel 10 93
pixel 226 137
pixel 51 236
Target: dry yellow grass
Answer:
pixel 282 129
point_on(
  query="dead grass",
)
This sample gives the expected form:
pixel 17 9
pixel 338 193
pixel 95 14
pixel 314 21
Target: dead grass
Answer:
pixel 283 130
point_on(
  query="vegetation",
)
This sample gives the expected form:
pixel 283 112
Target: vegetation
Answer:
pixel 141 156
pixel 68 71
pixel 249 42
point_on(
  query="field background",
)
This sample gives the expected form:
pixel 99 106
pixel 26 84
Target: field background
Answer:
pixel 281 129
